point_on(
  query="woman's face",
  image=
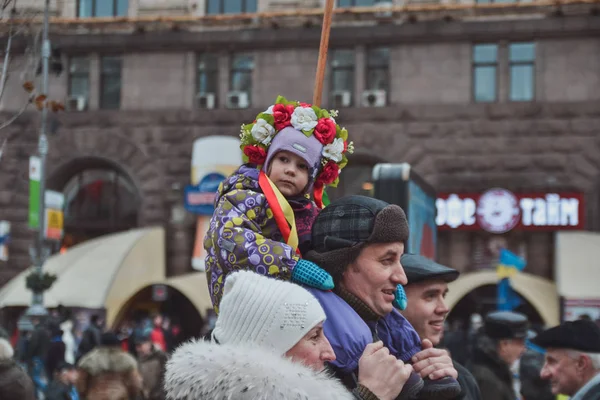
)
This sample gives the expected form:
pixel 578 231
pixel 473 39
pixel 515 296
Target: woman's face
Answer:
pixel 313 350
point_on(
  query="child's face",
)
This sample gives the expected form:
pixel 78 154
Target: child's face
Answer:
pixel 289 173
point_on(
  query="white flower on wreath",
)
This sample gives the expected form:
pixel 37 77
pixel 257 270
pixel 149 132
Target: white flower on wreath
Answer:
pixel 269 110
pixel 333 120
pixel 334 150
pixel 262 131
pixel 304 118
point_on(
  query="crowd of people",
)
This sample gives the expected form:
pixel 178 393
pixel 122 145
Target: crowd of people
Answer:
pixel 53 363
pixel 311 302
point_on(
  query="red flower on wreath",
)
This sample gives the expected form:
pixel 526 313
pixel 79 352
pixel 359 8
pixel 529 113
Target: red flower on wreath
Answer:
pixel 282 115
pixel 305 105
pixel 329 173
pixel 256 154
pixel 325 131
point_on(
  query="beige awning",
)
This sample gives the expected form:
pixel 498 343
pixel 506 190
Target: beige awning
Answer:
pixel 195 288
pixel 540 292
pixel 100 273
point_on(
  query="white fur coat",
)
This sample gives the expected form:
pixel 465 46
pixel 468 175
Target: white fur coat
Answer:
pixel 204 370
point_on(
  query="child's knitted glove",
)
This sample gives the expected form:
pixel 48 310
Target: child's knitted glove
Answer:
pixel 310 274
pixel 400 300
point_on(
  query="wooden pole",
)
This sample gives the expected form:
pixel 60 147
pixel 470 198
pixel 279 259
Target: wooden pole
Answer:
pixel 322 63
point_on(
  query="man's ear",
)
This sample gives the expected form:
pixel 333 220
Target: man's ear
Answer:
pixel 584 363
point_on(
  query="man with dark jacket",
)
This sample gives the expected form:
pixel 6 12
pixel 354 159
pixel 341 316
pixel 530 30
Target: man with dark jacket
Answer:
pixel 426 291
pixel 498 346
pixel 359 240
pixel 91 336
pixel 572 359
pixel 62 386
pixel 151 362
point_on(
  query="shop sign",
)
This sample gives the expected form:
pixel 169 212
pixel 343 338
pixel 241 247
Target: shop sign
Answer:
pixel 160 293
pixel 500 210
pixel 54 216
pixel 199 199
pixel 574 309
pixel 4 239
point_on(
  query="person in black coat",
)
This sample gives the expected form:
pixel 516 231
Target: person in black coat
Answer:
pixel 499 344
pixel 426 311
pixel 56 352
pixel 62 386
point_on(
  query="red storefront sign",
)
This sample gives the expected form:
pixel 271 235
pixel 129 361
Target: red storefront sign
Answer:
pixel 499 210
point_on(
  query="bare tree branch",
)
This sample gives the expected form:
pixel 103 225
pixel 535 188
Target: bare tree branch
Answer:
pixel 5 65
pixel 14 117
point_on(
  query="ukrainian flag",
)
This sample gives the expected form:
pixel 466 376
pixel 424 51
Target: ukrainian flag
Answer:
pixel 509 264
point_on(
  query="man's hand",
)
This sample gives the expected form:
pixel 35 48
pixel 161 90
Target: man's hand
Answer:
pixel 433 363
pixel 382 373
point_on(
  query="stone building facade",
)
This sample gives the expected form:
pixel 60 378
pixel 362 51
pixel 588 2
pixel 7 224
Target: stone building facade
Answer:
pixel 430 115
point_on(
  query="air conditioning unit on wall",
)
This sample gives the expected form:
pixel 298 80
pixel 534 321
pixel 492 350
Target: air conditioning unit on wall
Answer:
pixel 77 103
pixel 341 98
pixel 374 98
pixel 206 100
pixel 238 100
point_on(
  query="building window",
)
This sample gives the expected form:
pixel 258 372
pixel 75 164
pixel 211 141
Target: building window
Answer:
pixel 79 83
pixel 102 8
pixel 501 1
pixel 485 66
pixel 230 6
pixel 359 3
pixel 377 82
pixel 240 84
pixel 342 77
pixel 207 80
pixel 522 71
pixel 99 201
pixel 110 83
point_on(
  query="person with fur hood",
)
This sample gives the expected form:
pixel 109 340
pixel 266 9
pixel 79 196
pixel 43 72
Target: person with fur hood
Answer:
pixel 265 210
pixel 15 384
pixel 108 373
pixel 268 343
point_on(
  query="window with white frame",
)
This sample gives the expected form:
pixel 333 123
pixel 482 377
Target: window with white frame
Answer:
pixel 342 77
pixel 485 72
pixel 230 6
pixel 110 82
pixel 102 8
pixel 79 83
pixel 207 80
pixel 240 83
pixel 522 71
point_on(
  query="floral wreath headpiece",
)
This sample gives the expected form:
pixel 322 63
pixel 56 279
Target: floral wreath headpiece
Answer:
pixel 308 119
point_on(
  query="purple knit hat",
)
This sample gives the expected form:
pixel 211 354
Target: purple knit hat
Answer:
pixel 294 141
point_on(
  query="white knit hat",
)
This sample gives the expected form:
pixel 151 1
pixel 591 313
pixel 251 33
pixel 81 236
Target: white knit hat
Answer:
pixel 266 312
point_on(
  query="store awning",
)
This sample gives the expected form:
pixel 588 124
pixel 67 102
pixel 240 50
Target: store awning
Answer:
pixel 100 273
pixel 195 288
pixel 540 292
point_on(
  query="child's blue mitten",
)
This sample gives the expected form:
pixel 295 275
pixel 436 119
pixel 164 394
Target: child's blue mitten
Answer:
pixel 400 300
pixel 310 274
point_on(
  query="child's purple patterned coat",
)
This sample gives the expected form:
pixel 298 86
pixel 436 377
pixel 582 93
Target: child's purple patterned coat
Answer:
pixel 244 235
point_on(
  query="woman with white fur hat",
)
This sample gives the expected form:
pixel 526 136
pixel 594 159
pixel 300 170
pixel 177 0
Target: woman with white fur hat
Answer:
pixel 268 343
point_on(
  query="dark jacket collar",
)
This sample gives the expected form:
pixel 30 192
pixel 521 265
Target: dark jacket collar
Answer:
pixel 358 305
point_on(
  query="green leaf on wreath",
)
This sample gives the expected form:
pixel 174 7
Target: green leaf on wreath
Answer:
pixel 267 117
pixel 344 161
pixel 344 134
pixel 308 132
pixel 335 183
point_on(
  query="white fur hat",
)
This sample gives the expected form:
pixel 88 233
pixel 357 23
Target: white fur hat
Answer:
pixel 6 350
pixel 265 312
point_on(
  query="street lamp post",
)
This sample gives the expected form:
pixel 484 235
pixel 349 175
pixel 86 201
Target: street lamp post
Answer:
pixel 40 252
